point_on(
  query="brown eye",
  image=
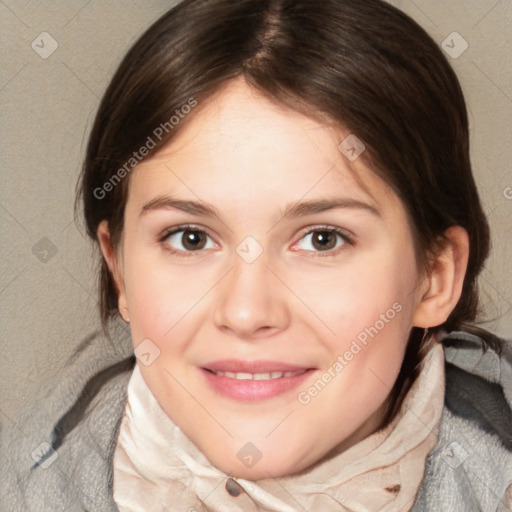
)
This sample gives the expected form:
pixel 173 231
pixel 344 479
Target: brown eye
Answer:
pixel 187 240
pixel 323 240
pixel 193 240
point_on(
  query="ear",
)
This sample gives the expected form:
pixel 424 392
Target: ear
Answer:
pixel 442 288
pixel 114 263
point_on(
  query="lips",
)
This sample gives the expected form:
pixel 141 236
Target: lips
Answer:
pixel 253 380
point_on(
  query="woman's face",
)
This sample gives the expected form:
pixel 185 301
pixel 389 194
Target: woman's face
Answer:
pixel 289 266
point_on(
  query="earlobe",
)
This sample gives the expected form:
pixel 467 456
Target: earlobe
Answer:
pixel 114 264
pixel 445 280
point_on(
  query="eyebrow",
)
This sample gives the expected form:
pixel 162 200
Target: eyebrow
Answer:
pixel 292 210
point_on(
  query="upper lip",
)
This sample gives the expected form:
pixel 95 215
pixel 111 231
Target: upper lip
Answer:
pixel 239 366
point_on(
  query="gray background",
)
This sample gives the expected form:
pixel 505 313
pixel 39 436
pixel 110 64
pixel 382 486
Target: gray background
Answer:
pixel 47 272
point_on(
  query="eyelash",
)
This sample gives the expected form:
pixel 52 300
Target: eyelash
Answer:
pixel 189 227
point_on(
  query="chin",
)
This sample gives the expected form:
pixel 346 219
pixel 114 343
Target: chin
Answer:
pixel 263 468
pixel 259 472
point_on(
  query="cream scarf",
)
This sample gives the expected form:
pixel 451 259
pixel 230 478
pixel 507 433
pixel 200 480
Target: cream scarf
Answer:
pixel 157 468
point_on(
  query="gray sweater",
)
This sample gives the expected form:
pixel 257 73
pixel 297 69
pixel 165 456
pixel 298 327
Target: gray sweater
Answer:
pixel 470 469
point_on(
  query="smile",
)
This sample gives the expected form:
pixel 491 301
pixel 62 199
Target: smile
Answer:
pixel 253 381
pixel 258 376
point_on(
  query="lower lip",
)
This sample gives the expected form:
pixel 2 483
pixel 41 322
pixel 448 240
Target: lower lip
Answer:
pixel 253 389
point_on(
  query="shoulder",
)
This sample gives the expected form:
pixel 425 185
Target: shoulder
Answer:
pixel 471 466
pixel 55 449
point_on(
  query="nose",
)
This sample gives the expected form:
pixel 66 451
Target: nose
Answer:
pixel 251 301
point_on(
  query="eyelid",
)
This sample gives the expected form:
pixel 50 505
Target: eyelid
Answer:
pixel 349 235
pixel 182 227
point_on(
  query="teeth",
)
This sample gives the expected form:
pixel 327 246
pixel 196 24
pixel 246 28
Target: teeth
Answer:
pixel 258 376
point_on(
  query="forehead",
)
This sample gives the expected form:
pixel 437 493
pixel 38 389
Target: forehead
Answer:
pixel 238 141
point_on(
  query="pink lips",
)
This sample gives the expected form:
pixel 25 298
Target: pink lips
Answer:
pixel 249 389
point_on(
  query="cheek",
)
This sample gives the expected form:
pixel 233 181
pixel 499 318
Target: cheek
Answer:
pixel 369 312
pixel 356 295
pixel 158 300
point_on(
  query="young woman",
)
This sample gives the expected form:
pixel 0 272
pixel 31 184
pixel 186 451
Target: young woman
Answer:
pixel 282 196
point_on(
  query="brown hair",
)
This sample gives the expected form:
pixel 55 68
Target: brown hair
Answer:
pixel 363 64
